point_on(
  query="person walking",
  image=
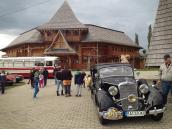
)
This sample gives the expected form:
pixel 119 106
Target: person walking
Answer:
pixel 36 83
pixel 31 79
pixel 78 82
pixel 67 77
pixel 83 74
pixel 45 73
pixel 59 81
pixel 54 73
pixel 2 82
pixel 166 77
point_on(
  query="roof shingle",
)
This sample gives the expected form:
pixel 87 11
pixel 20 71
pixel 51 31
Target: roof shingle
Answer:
pixel 32 36
pixel 101 34
pixel 63 19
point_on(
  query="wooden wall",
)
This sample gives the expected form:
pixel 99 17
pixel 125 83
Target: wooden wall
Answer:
pixel 86 53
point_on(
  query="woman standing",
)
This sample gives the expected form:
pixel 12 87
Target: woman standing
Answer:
pixel 67 77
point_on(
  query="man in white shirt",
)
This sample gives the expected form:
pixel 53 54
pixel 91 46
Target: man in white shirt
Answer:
pixel 166 76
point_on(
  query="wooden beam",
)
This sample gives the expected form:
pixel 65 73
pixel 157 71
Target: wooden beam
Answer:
pixel 89 47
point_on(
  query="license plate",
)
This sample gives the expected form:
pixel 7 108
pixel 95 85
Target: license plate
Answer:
pixel 135 113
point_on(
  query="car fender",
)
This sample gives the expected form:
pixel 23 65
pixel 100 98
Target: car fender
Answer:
pixel 155 97
pixel 104 101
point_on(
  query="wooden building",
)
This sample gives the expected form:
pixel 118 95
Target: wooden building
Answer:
pixel 161 42
pixel 78 45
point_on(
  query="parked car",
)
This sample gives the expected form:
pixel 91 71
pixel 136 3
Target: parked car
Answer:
pixel 13 78
pixel 10 79
pixel 18 77
pixel 117 94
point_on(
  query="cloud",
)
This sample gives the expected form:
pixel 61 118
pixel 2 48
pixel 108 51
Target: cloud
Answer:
pixel 6 38
pixel 130 16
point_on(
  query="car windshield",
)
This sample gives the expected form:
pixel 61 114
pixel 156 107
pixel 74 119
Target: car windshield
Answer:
pixel 116 71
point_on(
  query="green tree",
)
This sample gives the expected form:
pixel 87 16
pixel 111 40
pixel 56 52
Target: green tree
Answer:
pixel 149 35
pixel 136 38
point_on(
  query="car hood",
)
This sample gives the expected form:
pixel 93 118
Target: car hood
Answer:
pixel 117 80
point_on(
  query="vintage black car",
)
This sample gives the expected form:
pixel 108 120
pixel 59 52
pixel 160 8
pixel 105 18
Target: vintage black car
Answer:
pixel 117 94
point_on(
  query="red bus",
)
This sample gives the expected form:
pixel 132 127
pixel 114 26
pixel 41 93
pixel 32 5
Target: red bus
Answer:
pixel 23 65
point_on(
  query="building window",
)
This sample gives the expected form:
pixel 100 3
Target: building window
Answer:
pixel 85 59
pixel 115 49
pixel 68 32
pixel 75 61
pixel 48 33
pixel 76 32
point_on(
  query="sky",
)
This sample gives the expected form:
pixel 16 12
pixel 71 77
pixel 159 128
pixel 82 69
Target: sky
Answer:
pixel 129 16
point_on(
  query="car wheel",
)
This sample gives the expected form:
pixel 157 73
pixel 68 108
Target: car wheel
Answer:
pixel 103 121
pixel 158 117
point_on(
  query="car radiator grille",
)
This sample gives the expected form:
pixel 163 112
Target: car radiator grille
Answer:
pixel 126 89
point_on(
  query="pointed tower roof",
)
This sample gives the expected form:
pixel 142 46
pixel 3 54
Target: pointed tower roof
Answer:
pixel 161 42
pixel 63 19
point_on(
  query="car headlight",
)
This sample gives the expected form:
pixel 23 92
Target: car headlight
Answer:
pixel 113 90
pixel 132 98
pixel 144 89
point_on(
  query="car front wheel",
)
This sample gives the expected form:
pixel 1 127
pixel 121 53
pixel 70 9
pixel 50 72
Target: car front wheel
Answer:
pixel 103 121
pixel 157 117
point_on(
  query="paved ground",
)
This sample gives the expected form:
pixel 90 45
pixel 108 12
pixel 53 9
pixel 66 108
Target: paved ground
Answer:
pixel 19 111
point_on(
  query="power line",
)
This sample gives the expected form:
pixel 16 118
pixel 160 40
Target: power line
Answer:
pixel 22 9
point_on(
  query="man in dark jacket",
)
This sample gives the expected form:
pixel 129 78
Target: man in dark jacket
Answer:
pixel 2 82
pixel 45 73
pixel 31 79
pixel 67 77
pixel 59 81
pixel 78 82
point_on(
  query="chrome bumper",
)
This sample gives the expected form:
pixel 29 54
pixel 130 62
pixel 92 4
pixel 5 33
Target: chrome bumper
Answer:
pixel 112 114
pixel 156 111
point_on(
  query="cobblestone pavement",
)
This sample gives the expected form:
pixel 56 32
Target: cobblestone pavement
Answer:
pixel 18 110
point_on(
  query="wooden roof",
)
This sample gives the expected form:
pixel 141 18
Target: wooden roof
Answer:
pixel 105 35
pixel 161 42
pixel 66 19
pixel 31 36
pixel 63 19
pixel 66 49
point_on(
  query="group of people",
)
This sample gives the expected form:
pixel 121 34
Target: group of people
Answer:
pixel 63 80
pixel 38 79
